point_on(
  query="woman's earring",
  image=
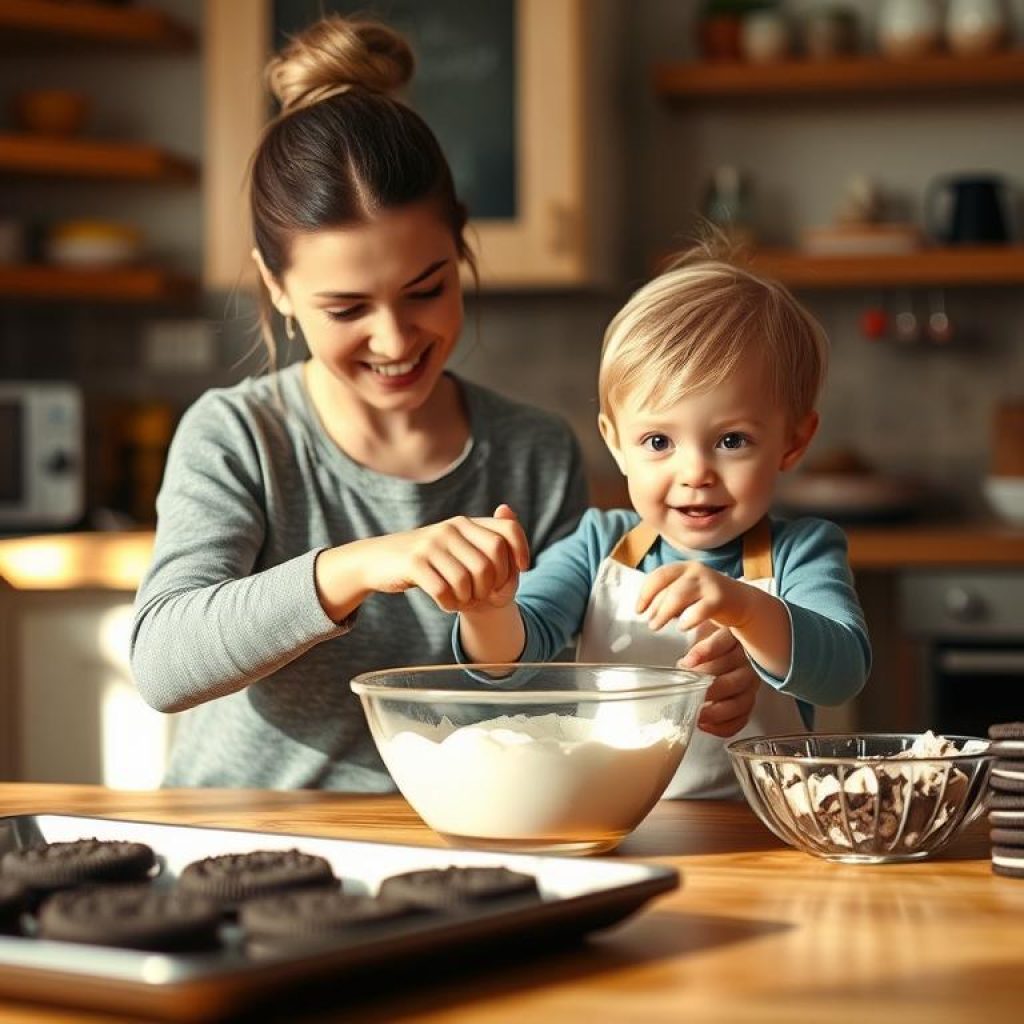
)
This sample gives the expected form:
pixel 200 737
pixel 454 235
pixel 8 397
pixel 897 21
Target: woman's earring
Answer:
pixel 289 327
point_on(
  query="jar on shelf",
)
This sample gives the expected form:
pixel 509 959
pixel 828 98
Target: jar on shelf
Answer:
pixel 976 27
pixel 830 31
pixel 720 27
pixel 909 28
pixel 765 36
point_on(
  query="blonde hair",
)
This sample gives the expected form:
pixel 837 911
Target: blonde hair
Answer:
pixel 688 329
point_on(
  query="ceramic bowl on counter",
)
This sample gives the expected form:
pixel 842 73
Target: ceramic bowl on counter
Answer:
pixel 865 798
pixel 1005 494
pixel 534 758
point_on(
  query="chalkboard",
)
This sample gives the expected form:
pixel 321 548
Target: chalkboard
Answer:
pixel 464 85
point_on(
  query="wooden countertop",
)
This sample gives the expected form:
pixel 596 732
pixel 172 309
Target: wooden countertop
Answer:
pixel 757 932
pixel 116 561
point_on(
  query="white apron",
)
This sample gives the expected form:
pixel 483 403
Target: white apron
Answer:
pixel 613 632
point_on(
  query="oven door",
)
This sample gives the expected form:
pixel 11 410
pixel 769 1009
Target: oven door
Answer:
pixel 974 685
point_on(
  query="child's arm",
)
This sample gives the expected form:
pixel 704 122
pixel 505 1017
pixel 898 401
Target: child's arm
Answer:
pixel 816 624
pixel 492 630
pixel 731 697
pixel 698 594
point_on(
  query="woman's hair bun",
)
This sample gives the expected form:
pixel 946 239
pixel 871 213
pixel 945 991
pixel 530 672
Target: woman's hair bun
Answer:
pixel 335 54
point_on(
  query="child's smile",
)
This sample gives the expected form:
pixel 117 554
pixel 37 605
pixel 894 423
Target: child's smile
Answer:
pixel 702 470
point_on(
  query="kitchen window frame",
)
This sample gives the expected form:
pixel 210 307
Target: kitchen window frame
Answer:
pixel 559 238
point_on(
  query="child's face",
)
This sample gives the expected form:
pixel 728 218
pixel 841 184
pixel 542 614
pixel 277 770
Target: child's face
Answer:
pixel 379 303
pixel 703 471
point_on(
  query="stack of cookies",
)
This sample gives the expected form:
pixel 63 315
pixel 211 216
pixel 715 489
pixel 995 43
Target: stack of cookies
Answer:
pixel 1006 799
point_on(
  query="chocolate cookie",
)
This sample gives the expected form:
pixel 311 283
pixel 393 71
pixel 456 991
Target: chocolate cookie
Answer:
pixel 234 877
pixel 13 900
pixel 132 917
pixel 49 866
pixel 455 887
pixel 303 916
pixel 1003 780
pixel 1007 739
pixel 1007 836
pixel 1008 860
pixel 1006 810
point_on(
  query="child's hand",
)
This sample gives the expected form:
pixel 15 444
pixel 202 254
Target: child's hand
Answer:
pixel 732 695
pixel 462 563
pixel 696 594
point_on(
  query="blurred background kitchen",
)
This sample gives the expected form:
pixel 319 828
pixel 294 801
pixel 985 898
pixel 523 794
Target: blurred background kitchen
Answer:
pixel 867 152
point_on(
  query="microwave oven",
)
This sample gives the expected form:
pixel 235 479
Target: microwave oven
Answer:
pixel 42 456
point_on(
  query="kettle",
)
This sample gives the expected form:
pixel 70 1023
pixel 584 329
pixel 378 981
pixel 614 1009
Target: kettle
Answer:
pixel 967 210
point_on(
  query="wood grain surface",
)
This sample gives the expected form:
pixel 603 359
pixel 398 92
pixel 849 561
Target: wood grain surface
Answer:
pixel 757 932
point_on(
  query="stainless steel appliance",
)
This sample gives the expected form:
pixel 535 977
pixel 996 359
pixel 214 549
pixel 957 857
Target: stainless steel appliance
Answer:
pixel 969 633
pixel 41 456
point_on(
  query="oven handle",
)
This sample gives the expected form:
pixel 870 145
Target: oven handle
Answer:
pixel 993 663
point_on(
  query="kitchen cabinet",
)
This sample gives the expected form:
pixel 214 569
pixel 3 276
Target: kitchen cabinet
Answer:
pixel 561 229
pixel 71 711
pixel 53 29
pixel 720 88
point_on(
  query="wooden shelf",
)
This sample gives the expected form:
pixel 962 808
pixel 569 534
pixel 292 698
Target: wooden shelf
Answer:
pixel 33 21
pixel 854 76
pixel 940 268
pixel 947 267
pixel 91 158
pixel 114 284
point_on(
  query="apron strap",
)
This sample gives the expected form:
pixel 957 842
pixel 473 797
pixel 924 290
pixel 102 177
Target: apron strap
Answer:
pixel 757 552
pixel 632 546
pixel 757 549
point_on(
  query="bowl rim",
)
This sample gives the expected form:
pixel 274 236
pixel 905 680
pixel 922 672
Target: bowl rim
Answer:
pixel 677 681
pixel 740 749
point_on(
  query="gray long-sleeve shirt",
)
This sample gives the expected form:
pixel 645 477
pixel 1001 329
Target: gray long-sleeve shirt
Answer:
pixel 228 627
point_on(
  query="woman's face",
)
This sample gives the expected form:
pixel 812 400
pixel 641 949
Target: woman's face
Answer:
pixel 379 304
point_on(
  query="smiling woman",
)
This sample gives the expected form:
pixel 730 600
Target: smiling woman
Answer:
pixel 324 519
pixel 380 307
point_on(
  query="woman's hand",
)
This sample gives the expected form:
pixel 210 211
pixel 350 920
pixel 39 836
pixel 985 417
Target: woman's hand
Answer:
pixel 462 563
pixel 732 695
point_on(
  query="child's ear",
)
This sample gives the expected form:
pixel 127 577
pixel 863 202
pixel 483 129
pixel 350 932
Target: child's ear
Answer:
pixel 611 440
pixel 803 434
pixel 277 296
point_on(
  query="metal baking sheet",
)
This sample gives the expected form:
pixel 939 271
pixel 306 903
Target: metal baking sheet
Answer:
pixel 579 895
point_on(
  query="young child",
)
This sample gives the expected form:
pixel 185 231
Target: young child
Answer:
pixel 708 382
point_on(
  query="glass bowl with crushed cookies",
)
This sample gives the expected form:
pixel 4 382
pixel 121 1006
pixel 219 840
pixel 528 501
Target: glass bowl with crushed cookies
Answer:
pixel 864 798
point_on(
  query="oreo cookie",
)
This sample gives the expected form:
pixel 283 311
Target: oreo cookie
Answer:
pixel 1007 836
pixel 132 917
pixel 1006 810
pixel 1008 860
pixel 458 887
pixel 13 900
pixel 1007 777
pixel 233 877
pixel 46 867
pixel 303 917
pixel 1007 739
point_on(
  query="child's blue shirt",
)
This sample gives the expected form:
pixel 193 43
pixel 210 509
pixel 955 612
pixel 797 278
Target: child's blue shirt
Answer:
pixel 831 650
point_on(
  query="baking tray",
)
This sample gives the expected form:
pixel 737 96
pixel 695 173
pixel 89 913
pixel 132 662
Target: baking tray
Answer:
pixel 578 896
